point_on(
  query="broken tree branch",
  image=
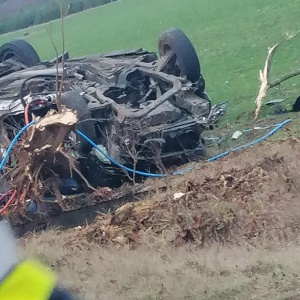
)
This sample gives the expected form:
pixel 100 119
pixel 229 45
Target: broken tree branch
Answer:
pixel 264 79
pixel 62 18
pixel 284 78
pixel 59 83
pixel 42 152
pixel 49 32
pixel 264 75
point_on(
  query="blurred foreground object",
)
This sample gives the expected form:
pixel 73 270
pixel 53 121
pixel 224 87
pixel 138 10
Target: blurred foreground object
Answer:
pixel 24 280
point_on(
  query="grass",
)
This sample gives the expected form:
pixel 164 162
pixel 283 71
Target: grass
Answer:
pixel 156 272
pixel 231 38
pixel 264 266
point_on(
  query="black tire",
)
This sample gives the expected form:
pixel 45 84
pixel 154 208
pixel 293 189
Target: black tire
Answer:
pixel 21 51
pixel 187 60
pixel 73 100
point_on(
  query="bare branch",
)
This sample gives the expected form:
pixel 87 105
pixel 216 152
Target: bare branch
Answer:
pixel 290 36
pixel 62 17
pixel 49 31
pixel 284 78
pixel 73 166
pixel 59 83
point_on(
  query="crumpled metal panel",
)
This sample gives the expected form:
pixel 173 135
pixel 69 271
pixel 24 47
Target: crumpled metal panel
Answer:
pixel 164 114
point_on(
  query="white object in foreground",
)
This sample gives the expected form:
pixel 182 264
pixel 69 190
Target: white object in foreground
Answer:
pixel 8 249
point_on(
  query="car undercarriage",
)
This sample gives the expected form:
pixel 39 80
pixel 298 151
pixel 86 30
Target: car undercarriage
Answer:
pixel 143 110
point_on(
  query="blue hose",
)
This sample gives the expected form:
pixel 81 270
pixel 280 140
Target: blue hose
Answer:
pixel 279 126
pixel 3 161
pixel 117 163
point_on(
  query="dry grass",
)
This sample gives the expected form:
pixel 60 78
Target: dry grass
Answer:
pixel 161 272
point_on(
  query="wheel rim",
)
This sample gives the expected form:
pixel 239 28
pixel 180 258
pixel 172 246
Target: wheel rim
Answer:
pixel 167 50
pixel 8 55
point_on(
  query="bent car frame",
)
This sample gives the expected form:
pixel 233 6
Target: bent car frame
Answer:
pixel 145 110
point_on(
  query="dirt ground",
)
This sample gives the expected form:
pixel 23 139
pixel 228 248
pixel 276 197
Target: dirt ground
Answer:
pixel 226 230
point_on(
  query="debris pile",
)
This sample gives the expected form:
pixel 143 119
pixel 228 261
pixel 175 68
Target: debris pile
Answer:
pixel 36 155
pixel 219 203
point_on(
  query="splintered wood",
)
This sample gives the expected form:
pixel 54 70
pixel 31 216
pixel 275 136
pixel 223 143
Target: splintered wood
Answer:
pixel 39 156
pixel 52 130
pixel 264 79
pixel 264 75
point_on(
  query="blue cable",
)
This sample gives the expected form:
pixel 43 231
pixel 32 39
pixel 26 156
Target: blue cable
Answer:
pixel 3 161
pixel 279 126
pixel 117 163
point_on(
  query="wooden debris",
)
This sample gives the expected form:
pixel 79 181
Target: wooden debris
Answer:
pixel 264 75
pixel 41 156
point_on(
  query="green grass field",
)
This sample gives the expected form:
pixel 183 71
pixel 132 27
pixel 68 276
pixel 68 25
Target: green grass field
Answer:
pixel 231 37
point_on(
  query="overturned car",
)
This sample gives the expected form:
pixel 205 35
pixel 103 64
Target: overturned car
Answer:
pixel 144 111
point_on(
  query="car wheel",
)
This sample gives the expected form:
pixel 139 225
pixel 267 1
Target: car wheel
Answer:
pixel 21 51
pixel 175 41
pixel 73 100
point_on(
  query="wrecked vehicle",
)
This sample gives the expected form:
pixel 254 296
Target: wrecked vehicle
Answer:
pixel 144 110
